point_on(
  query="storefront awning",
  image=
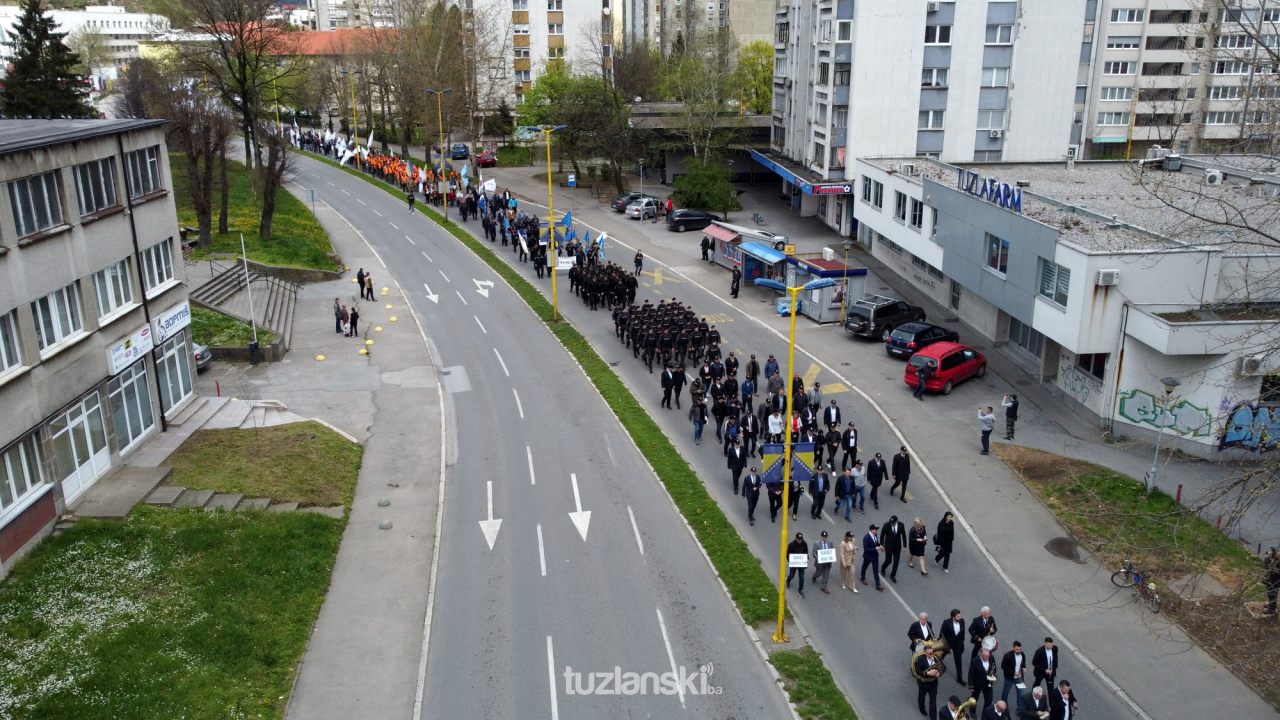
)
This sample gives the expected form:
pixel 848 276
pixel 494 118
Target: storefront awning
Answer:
pixel 1105 140
pixel 777 168
pixel 763 252
pixel 720 233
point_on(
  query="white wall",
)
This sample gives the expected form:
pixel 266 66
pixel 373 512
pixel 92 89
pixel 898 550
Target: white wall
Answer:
pixel 884 93
pixel 1043 80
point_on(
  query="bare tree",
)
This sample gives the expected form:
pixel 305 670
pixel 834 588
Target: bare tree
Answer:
pixel 703 81
pixel 271 176
pixel 1242 57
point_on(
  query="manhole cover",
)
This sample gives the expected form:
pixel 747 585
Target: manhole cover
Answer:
pixel 1065 548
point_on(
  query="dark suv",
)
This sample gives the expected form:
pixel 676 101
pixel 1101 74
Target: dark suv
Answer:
pixel 909 338
pixel 876 316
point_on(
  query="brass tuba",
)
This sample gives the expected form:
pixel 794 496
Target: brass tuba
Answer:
pixel 940 651
pixel 962 713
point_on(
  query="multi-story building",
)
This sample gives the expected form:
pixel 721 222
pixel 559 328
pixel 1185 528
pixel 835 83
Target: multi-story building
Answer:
pixel 94 346
pixel 119 29
pixel 1085 275
pixel 958 81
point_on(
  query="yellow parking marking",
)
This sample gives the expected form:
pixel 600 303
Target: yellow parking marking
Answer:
pixel 834 388
pixel 811 374
pixel 656 275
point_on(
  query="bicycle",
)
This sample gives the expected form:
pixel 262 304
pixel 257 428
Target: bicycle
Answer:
pixel 1130 576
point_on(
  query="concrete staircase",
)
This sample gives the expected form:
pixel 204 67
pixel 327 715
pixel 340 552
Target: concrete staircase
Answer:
pixel 173 496
pixel 274 300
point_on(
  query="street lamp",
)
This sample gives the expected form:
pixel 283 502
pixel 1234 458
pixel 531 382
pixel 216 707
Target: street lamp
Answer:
pixel 444 182
pixel 551 224
pixel 642 176
pixel 780 635
pixel 1153 474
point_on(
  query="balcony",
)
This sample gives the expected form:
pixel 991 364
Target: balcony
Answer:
pixel 1169 17
pixel 1162 69
pixel 1205 330
pixel 1167 43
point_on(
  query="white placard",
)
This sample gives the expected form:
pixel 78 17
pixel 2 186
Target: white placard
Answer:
pixel 797 560
pixel 826 555
pixel 565 263
pixel 126 352
pixel 168 323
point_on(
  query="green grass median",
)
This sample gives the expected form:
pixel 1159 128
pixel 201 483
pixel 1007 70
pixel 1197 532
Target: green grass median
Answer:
pixel 215 329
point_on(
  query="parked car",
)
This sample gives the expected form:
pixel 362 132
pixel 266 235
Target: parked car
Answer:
pixel 620 203
pixel 908 339
pixel 952 363
pixel 876 316
pixel 486 159
pixel 643 209
pixel 688 219
pixel 201 355
pixel 459 151
pixel 528 133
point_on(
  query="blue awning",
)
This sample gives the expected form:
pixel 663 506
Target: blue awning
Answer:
pixel 763 252
pixel 1102 140
pixel 782 172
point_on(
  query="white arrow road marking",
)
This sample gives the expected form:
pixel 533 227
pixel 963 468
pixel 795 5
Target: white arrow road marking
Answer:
pixel 483 286
pixel 670 655
pixel 542 555
pixel 581 518
pixel 636 528
pixel 502 363
pixel 528 451
pixel 424 252
pixel 486 332
pixel 430 295
pixel 490 527
pixel 446 277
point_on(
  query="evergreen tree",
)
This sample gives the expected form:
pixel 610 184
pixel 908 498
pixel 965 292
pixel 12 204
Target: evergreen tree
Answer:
pixel 42 82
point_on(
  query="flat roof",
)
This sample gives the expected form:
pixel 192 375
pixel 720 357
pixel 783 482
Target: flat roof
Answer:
pixel 24 135
pixel 1116 206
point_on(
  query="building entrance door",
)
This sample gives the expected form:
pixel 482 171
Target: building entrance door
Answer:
pixel 80 446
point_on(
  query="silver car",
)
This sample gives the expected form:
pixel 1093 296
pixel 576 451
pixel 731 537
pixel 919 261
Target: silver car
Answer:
pixel 643 209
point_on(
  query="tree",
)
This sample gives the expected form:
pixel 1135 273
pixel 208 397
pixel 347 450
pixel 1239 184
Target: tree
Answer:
pixel 1242 42
pixel 91 47
pixel 42 82
pixel 271 174
pixel 502 121
pixel 703 81
pixel 755 77
pixel 705 184
pixel 636 72
pixel 137 83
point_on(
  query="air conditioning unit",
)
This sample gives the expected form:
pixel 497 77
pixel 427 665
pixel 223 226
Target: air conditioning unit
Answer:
pixel 910 169
pixel 828 254
pixel 995 134
pixel 1213 178
pixel 1107 278
pixel 931 7
pixel 1073 152
pixel 1251 365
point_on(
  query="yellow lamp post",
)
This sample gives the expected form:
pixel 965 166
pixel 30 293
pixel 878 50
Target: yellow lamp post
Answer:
pixel 444 181
pixel 780 635
pixel 551 224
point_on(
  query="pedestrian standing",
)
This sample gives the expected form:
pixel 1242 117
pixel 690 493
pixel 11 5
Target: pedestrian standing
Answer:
pixel 917 542
pixel 849 444
pixel 943 538
pixel 337 316
pixel 818 487
pixel 848 556
pixel 876 473
pixel 894 537
pixel 901 471
pixel 737 460
pixel 797 547
pixel 735 282
pixel 751 491
pixel 677 384
pixel 859 487
pixel 706 248
pixel 639 261
pixel 794 501
pixel 698 415
pixel 346 317
pixel 821 569
pixel 368 287
pixel 410 198
pixel 668 379
pixel 923 372
pixel 1010 405
pixel 775 499
pixel 360 282
pixel 986 423
pixel 354 318
pixel 871 556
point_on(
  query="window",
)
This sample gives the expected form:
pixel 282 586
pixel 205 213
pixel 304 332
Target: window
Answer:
pixel 57 316
pixel 1113 118
pixel 931 119
pixel 521 29
pixel 37 202
pixel 1025 337
pixel 895 247
pixel 840 116
pixel 917 214
pixel 1231 67
pixel 555 53
pixel 899 206
pixel 937 35
pixel 990 119
pixel 872 192
pixel 521 53
pixel 997 254
pixel 143 167
pixel 1093 363
pixel 519 4
pixel 10 358
pixel 555 28
pixel 933 77
pixel 130 400
pixel 1234 42
pixel 173 370
pixel 1117 67
pixel 1116 93
pixel 157 265
pixel 1126 15
pixel 113 288
pixel 999 34
pixel 23 472
pixel 844 30
pixel 995 77
pixel 1230 92
pixel 1055 282
pixel 866 189
pixel 824 73
pixel 96 186
pixel 1222 117
pixel 555 4
pixel 1125 42
pixel 1193 69
pixel 842 74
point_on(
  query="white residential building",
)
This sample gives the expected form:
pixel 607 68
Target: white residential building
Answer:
pixel 120 30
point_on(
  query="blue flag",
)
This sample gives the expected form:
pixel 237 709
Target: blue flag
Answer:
pixel 567 221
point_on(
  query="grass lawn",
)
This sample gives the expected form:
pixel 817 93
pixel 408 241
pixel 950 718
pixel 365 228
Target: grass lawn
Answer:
pixel 265 463
pixel 215 329
pixel 512 155
pixel 811 686
pixel 297 240
pixel 167 614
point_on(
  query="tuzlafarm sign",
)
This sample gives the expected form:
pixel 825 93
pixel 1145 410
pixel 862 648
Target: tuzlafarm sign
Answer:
pixel 990 189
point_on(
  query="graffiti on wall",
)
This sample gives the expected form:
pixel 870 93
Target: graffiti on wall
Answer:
pixel 1252 426
pixel 1079 383
pixel 1181 417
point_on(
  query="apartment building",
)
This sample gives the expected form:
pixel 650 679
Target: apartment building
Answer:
pixel 1082 274
pixel 94 346
pixel 121 32
pixel 956 81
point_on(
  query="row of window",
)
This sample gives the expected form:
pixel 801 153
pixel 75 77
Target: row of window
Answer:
pixel 552 29
pixel 941 35
pixel 1213 117
pixel 36 200
pixel 936 77
pixel 59 316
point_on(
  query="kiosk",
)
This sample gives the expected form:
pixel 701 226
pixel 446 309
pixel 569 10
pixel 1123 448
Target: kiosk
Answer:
pixel 824 304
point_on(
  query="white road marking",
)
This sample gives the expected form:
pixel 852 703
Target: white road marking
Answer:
pixel 670 655
pixel 331 183
pixel 501 362
pixel 636 528
pixel 344 190
pixel 581 518
pixel 362 202
pixel 411 242
pixel 519 407
pixel 551 679
pixel 490 526
pixel 528 451
pixel 446 277
pixel 424 252
pixel 432 296
pixel 542 555
pixel 375 212
pixel 393 225
pixel 486 332
pixel 464 300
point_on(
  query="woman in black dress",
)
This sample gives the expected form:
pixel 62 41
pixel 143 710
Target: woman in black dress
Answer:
pixel 943 539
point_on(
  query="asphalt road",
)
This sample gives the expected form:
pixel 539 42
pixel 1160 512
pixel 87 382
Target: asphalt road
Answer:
pixel 591 567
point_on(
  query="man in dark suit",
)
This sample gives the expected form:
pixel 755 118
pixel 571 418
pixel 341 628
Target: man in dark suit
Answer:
pixel 871 556
pixel 849 444
pixel 818 487
pixel 981 671
pixel 876 473
pixel 901 471
pixel 1062 702
pixel 677 383
pixel 1034 705
pixel 919 631
pixel 737 462
pixel 750 429
pixel 982 626
pixel 668 378
pixel 927 666
pixel 751 485
pixel 952 631
pixel 831 415
pixel 950 710
pixel 999 711
pixel 1044 663
pixel 1014 668
pixel 895 536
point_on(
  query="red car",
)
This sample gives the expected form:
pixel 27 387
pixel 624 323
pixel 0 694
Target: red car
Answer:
pixel 486 159
pixel 952 364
